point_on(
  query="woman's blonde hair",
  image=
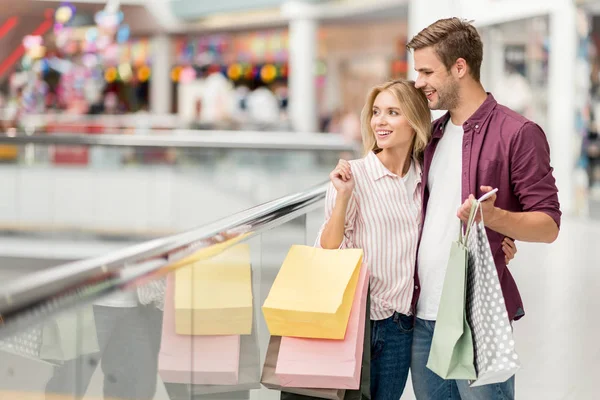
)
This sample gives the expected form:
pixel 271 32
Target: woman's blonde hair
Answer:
pixel 414 107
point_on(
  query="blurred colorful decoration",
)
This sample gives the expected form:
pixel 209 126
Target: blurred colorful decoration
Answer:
pixel 268 73
pixel 214 68
pixel 41 66
pixel 143 73
pixel 175 72
pixel 26 62
pixel 91 35
pixel 71 47
pixel 234 72
pixel 30 42
pixel 111 54
pixel 249 72
pixel 63 37
pixel 90 60
pixel 34 47
pixel 110 75
pixel 64 13
pixel 123 34
pixel 320 68
pixel 283 71
pixel 89 47
pixel 103 42
pixel 108 21
pixel 140 52
pixel 188 74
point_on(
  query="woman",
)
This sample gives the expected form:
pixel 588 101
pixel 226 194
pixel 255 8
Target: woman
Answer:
pixel 374 203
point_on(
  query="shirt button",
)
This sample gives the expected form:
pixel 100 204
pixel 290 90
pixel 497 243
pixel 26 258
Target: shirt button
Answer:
pixel 476 126
pixel 416 287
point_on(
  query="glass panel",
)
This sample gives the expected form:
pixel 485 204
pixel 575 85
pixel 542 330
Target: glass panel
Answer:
pixel 179 337
pixel 136 193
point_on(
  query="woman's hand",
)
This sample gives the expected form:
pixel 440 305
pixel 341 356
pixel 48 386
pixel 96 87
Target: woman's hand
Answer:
pixel 342 178
pixel 509 248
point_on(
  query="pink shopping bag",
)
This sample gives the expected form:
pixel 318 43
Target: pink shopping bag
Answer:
pixel 199 360
pixel 324 363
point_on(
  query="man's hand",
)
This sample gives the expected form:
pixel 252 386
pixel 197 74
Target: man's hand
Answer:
pixel 488 207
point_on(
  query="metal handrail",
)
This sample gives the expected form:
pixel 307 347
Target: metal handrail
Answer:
pixel 25 301
pixel 192 139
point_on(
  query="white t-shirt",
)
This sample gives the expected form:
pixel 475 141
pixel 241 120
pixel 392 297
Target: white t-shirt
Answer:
pixel 441 225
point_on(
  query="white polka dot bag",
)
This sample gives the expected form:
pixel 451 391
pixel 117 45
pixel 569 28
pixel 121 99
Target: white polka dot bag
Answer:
pixel 495 357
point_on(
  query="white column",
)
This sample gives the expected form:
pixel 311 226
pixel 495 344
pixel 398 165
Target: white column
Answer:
pixel 303 54
pixel 332 97
pixel 561 99
pixel 160 82
pixel 492 67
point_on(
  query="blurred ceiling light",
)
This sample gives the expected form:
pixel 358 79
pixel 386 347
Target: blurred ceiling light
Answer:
pixel 234 72
pixel 143 73
pixel 175 72
pixel 110 75
pixel 125 72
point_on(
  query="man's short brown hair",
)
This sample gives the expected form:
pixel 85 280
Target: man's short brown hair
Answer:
pixel 452 38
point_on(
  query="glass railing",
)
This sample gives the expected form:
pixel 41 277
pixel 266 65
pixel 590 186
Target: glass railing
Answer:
pixel 150 185
pixel 120 325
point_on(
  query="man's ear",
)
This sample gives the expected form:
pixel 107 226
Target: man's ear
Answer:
pixel 461 67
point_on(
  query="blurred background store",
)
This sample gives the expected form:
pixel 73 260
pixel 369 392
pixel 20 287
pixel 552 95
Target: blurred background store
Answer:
pixel 125 121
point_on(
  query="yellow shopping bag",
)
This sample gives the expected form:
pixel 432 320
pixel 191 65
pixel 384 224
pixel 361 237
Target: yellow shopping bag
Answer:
pixel 214 296
pixel 313 292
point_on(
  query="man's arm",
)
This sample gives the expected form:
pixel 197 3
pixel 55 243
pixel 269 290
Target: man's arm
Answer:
pixel 534 186
pixel 525 226
pixel 532 226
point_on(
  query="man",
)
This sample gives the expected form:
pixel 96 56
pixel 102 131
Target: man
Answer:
pixel 476 146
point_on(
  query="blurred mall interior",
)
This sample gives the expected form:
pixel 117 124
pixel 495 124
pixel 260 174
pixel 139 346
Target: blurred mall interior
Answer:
pixel 136 133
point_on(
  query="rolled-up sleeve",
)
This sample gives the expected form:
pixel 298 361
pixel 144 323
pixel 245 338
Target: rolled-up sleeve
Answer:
pixel 348 241
pixel 531 173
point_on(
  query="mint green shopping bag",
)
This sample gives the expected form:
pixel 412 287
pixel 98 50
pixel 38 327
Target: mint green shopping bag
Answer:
pixel 452 355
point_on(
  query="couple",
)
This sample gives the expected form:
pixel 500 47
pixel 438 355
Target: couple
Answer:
pixel 400 203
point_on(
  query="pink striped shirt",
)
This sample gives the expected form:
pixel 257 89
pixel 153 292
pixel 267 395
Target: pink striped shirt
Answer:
pixel 383 218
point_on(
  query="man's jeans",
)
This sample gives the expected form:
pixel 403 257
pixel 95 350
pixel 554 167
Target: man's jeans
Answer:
pixel 428 386
pixel 391 341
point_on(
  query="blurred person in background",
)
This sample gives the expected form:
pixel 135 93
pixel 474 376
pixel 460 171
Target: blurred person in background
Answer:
pixel 374 203
pixel 215 100
pixel 263 107
pixel 501 149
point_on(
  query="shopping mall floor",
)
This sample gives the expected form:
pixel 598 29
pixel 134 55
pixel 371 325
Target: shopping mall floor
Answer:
pixel 557 340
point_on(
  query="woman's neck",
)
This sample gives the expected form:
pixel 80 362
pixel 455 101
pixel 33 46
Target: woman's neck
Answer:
pixel 397 161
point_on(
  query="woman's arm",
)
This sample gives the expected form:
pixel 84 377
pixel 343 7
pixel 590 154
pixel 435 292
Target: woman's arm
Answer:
pixel 332 235
pixel 340 209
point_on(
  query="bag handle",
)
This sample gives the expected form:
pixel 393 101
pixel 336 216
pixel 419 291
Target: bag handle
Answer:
pixel 475 206
pixel 463 238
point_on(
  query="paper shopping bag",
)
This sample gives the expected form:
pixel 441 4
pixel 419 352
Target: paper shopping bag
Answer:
pixel 328 364
pixel 250 368
pixel 270 380
pixel 214 296
pixel 313 293
pixel 495 357
pixel 451 354
pixel 209 360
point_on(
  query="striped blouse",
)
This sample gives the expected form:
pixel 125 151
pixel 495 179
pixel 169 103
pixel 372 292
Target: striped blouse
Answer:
pixel 383 218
